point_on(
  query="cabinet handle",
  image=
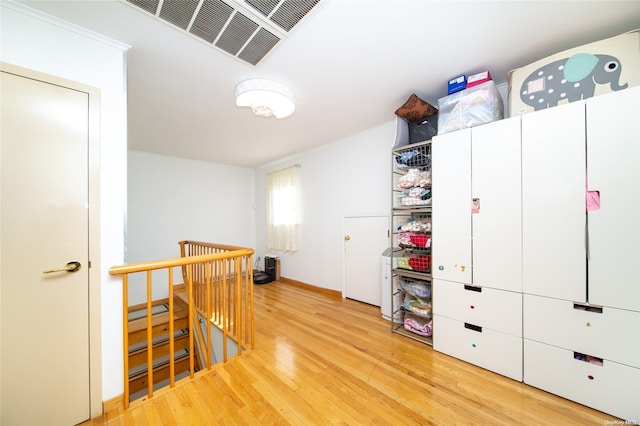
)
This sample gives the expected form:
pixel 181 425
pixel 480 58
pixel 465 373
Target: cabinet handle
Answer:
pixel 473 327
pixel 473 288
pixel 587 308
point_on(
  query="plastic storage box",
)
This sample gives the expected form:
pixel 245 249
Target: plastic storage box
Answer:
pixel 471 107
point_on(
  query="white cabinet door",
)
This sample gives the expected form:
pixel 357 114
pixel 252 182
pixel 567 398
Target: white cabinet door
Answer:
pixel 553 202
pixel 451 204
pixel 496 188
pixel 613 163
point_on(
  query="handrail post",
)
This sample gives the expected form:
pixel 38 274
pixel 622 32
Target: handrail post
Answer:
pixel 150 336
pixel 208 282
pixel 172 350
pixel 125 334
pixel 238 303
pixel 190 316
pixel 225 314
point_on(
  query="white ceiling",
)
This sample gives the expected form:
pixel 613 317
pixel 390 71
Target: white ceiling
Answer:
pixel 351 63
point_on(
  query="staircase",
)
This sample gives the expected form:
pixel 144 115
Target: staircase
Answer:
pixel 137 325
pixel 217 285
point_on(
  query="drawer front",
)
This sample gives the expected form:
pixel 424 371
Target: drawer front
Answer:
pixel 611 387
pixel 605 333
pixel 495 351
pixel 490 308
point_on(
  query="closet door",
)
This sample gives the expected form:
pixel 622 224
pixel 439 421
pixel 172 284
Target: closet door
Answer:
pixel 613 161
pixel 496 219
pixel 451 204
pixel 553 202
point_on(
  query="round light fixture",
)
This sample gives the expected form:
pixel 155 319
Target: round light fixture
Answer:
pixel 266 97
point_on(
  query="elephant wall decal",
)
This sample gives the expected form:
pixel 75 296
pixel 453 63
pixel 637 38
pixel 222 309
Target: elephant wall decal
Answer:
pixel 571 79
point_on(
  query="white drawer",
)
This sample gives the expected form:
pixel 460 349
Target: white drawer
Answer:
pixel 607 333
pixel 613 388
pixel 495 351
pixel 487 307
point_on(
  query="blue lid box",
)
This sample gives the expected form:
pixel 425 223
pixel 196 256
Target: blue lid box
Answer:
pixel 457 84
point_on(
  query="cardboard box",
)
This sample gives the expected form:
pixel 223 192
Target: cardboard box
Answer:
pixel 475 79
pixel 471 107
pixel 457 84
pixel 592 69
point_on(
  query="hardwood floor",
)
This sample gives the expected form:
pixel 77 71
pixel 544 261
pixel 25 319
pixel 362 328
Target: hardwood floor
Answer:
pixel 321 360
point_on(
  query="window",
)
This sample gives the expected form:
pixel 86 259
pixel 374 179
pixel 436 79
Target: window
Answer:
pixel 283 209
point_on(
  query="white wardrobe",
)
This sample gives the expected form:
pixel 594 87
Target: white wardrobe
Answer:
pixel 581 266
pixel 477 273
pixel 527 283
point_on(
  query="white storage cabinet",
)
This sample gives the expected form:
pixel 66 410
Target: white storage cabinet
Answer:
pixel 477 229
pixel 580 273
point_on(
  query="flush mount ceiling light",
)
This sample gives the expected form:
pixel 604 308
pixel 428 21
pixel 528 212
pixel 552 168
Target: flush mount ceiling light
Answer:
pixel 266 97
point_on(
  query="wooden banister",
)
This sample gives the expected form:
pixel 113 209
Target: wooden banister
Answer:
pixel 218 282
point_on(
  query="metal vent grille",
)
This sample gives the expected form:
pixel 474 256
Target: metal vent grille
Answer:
pixel 247 29
pixel 212 17
pixel 236 34
pixel 150 6
pixel 178 13
pixel 258 47
pixel 263 6
pixel 291 12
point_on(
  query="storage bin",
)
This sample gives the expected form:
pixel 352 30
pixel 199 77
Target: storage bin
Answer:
pixel 582 72
pixel 414 240
pixel 416 288
pixel 471 107
pixel 421 263
pixel 417 306
pixel 418 325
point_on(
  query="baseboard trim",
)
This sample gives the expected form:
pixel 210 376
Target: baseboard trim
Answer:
pixel 334 294
pixel 115 403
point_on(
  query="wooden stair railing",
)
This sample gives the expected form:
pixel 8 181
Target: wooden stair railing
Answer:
pixel 221 292
pixel 138 357
pixel 218 284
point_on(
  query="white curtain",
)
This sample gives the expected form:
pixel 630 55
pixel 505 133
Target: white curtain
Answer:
pixel 283 209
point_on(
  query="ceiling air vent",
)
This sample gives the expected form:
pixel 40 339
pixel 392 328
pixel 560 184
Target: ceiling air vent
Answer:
pixel 178 13
pixel 286 13
pixel 246 29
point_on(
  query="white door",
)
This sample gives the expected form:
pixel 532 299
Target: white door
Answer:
pixel 553 202
pixel 613 156
pixel 496 193
pixel 365 239
pixel 451 206
pixel 44 226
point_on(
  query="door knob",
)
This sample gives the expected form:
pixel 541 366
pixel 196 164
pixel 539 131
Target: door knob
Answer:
pixel 69 267
pixel 347 238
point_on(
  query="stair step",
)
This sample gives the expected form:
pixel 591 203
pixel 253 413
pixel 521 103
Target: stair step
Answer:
pixel 159 322
pixel 137 313
pixel 139 381
pixel 160 348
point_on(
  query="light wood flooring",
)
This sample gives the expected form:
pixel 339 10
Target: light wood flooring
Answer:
pixel 320 360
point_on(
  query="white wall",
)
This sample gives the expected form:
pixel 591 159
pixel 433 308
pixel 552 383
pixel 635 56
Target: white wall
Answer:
pixel 172 199
pixel 38 42
pixel 348 177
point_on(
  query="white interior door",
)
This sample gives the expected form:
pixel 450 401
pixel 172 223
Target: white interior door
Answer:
pixel 451 206
pixel 553 202
pixel 496 190
pixel 365 239
pixel 44 226
pixel 613 156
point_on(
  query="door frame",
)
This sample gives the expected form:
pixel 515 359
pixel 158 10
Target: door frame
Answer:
pixel 342 242
pixel 95 300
